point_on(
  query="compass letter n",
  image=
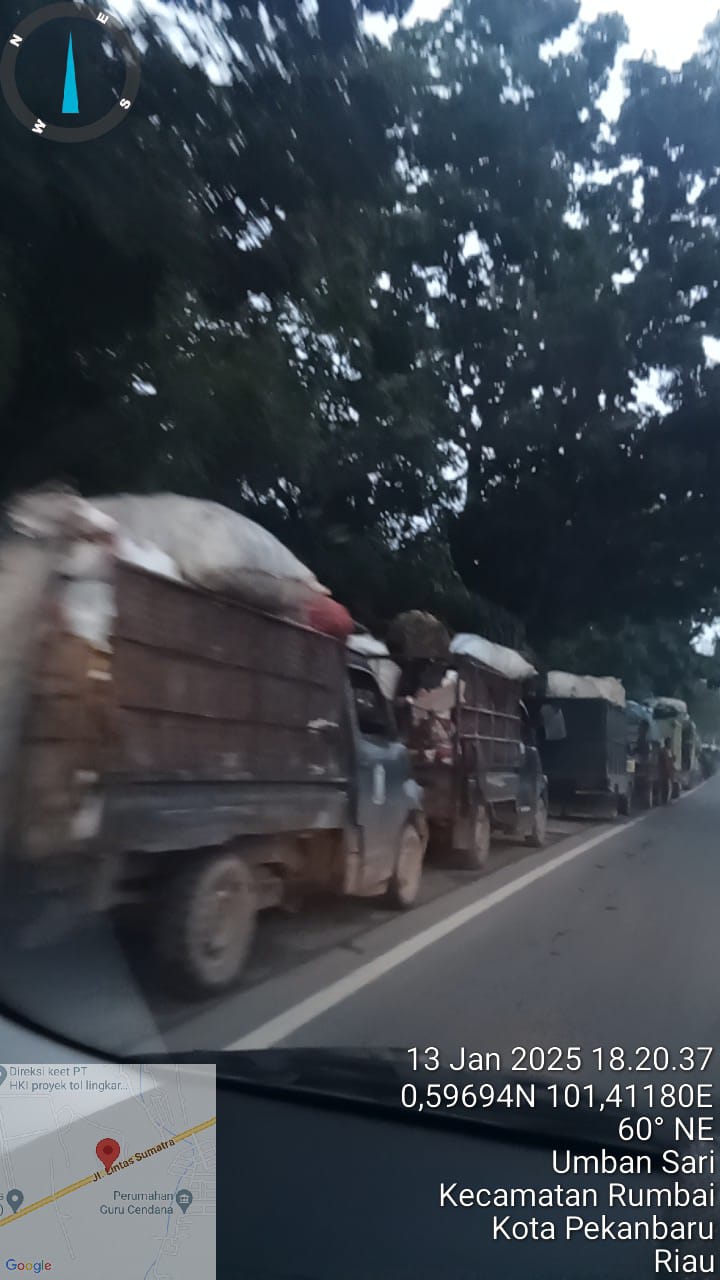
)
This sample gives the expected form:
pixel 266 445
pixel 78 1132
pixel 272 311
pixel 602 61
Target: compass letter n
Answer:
pixel 16 41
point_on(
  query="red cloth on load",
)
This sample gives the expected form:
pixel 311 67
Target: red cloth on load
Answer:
pixel 330 617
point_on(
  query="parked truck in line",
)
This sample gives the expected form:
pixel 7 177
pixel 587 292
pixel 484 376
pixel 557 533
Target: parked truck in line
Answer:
pixel 582 731
pixel 211 761
pixel 649 727
pixel 644 742
pixel 468 732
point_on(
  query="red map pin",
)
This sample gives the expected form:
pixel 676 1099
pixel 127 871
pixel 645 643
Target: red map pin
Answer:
pixel 108 1151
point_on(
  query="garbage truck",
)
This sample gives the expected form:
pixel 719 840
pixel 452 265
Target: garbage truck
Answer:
pixel 582 729
pixel 462 715
pixel 174 754
pixel 644 741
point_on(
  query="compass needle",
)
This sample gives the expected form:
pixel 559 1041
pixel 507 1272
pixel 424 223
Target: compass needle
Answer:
pixel 70 95
pixel 109 72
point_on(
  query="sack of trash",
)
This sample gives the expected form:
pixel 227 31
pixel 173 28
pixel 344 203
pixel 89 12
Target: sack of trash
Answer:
pixel 328 616
pixel 216 548
pixel 199 541
pixel 418 635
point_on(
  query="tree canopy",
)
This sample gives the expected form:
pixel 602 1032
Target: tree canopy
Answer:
pixel 395 302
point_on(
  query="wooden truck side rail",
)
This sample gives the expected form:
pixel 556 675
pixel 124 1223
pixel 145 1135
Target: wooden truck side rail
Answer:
pixel 201 698
pixel 207 688
pixel 488 716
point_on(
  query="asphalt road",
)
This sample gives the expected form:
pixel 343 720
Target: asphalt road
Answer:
pixel 609 936
pixel 614 941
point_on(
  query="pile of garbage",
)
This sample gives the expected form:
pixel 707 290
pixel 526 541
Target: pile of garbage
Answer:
pixel 416 636
pixel 419 667
pixel 185 539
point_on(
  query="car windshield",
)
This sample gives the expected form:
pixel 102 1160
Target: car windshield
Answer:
pixel 360 553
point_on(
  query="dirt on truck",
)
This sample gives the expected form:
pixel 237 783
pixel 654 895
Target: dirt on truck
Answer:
pixel 192 759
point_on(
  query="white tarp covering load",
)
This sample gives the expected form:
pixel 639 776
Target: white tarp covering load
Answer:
pixel 183 538
pixel 507 662
pixel 377 656
pixel 93 542
pixel 216 548
pixel 368 646
pixel 58 513
pixel 564 684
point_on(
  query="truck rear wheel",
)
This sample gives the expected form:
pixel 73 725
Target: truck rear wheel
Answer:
pixel 471 843
pixel 206 929
pixel 404 886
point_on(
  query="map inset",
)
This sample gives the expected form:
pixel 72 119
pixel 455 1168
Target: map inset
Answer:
pixel 107 1171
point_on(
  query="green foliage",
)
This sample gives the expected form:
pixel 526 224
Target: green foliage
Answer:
pixel 652 660
pixel 375 298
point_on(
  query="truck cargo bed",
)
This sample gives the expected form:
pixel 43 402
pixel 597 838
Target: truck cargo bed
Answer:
pixel 206 688
pixel 201 702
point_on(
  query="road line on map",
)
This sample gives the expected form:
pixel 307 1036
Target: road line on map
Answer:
pixel 85 1182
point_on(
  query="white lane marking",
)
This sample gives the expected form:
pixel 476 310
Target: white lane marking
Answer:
pixel 278 1028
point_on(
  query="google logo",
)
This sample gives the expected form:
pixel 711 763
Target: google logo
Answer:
pixel 37 1267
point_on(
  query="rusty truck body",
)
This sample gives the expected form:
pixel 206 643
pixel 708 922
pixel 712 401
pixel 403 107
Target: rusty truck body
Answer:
pixel 210 761
pixel 473 754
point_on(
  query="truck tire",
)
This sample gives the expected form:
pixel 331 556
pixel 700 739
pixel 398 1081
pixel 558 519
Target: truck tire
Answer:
pixel 473 853
pixel 537 836
pixel 205 932
pixel 404 885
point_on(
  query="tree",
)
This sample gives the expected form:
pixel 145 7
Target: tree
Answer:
pixel 658 659
pixel 394 304
pixel 576 507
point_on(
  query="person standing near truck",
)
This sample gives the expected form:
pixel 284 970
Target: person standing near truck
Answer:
pixel 666 763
